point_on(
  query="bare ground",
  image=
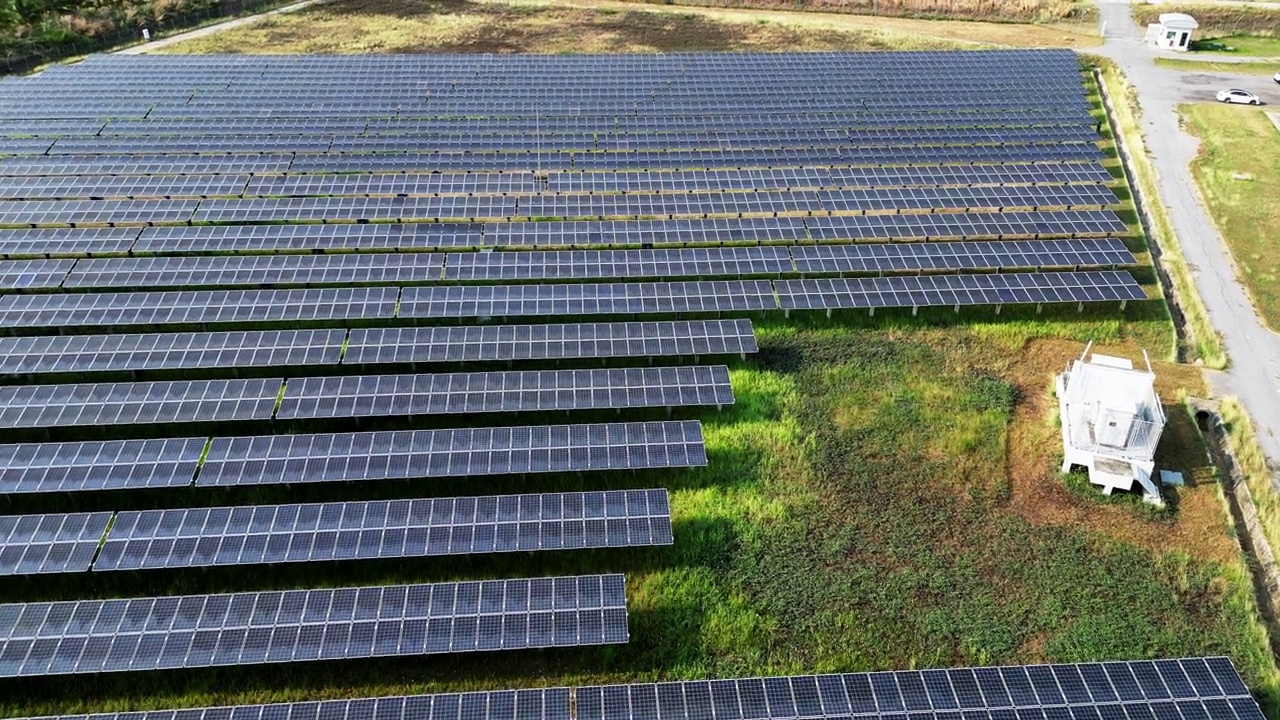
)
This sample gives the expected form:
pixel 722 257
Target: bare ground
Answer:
pixel 458 26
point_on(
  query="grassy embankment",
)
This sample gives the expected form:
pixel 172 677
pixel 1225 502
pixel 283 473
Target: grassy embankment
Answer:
pixel 1236 172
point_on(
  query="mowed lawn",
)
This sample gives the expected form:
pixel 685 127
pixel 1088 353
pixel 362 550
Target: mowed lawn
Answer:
pixel 1250 68
pixel 387 26
pixel 1236 172
pixel 883 494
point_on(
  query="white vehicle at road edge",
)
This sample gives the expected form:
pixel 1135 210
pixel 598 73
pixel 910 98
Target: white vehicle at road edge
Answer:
pixel 1276 77
pixel 1238 96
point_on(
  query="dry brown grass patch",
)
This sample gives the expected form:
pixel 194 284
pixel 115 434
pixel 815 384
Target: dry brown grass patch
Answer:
pixel 1040 495
pixel 457 26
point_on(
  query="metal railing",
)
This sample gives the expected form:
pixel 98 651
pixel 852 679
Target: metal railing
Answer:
pixel 1139 444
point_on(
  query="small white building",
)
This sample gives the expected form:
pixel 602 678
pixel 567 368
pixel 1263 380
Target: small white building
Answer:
pixel 1111 422
pixel 1173 32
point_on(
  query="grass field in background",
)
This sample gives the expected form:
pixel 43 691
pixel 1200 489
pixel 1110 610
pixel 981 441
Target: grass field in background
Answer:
pixel 1249 68
pixel 884 494
pixel 1236 172
pixel 360 26
pixel 1244 45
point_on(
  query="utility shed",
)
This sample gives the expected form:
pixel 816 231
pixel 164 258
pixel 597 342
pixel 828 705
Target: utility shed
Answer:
pixel 1173 32
pixel 1111 422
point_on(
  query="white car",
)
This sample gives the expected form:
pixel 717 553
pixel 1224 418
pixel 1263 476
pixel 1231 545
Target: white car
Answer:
pixel 1238 96
pixel 1276 77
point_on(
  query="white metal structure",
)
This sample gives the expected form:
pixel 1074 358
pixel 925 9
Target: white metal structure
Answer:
pixel 1111 422
pixel 1173 32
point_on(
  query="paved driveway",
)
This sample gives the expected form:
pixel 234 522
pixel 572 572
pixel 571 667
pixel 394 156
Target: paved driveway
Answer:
pixel 1254 350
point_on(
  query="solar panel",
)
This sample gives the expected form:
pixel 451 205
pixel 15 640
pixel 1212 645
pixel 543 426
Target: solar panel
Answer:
pixel 195 307
pixel 459 452
pixel 169 351
pixel 98 465
pixel 33 274
pixel 252 534
pixel 583 299
pixel 527 704
pixel 95 212
pixel 955 290
pixel 1021 254
pixel 545 342
pixel 1115 690
pixel 39 544
pixel 351 209
pixel 990 692
pixel 34 242
pixel 505 391
pixel 581 264
pixel 46 406
pixel 254 270
pixel 148 633
pixel 278 238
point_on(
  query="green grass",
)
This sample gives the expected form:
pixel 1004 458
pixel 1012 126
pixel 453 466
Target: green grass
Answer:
pixel 856 515
pixel 1239 45
pixel 1236 173
pixel 1248 68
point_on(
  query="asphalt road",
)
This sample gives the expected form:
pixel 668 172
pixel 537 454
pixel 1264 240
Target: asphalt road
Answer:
pixel 1254 350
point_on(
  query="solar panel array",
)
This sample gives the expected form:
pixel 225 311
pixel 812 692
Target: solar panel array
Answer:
pixel 269 256
pixel 86 465
pixel 1148 689
pixel 194 631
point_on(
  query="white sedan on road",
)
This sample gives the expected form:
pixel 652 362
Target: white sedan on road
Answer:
pixel 1276 77
pixel 1238 96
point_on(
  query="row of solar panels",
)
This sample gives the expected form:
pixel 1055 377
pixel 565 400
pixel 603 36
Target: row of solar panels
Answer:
pixel 507 163
pixel 501 103
pixel 73 242
pixel 321 532
pixel 351 396
pixel 83 466
pixel 1196 688
pixel 622 124
pixel 236 160
pixel 43 354
pixel 189 631
pixel 410 184
pixel 580 142
pixel 213 307
pixel 391 268
pixel 35 213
